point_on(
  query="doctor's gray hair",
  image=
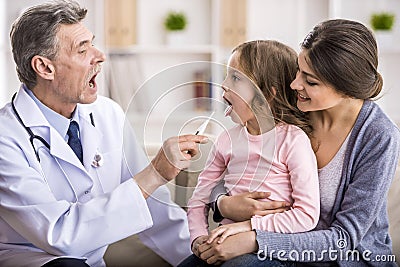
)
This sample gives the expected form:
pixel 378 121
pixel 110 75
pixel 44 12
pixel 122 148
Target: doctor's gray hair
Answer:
pixel 34 33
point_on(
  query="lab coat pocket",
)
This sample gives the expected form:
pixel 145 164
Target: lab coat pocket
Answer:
pixel 63 179
pixel 107 167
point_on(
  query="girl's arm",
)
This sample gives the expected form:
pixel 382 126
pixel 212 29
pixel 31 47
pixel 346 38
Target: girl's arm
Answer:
pixel 198 204
pixel 243 206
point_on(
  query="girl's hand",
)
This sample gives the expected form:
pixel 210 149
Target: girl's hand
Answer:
pixel 197 242
pixel 227 230
pixel 243 206
pixel 235 245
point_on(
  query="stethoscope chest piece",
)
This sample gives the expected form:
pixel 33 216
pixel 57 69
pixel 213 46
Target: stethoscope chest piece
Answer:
pixel 98 160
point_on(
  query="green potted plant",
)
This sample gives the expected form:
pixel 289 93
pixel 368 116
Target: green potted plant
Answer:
pixel 382 23
pixel 175 23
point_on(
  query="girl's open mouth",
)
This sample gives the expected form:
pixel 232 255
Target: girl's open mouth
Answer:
pixel 229 108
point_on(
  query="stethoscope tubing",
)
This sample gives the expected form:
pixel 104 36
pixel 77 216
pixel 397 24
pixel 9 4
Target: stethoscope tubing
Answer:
pixel 32 136
pixel 98 161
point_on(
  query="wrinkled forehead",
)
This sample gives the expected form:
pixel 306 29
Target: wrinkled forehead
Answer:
pixel 73 36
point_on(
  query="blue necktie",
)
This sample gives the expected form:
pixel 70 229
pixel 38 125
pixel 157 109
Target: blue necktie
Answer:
pixel 73 140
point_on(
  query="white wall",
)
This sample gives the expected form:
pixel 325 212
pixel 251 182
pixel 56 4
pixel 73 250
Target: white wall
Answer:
pixel 3 65
pixel 289 21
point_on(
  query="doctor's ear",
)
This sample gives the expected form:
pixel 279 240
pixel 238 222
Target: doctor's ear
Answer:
pixel 43 67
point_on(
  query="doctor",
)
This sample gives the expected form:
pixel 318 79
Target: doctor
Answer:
pixel 67 192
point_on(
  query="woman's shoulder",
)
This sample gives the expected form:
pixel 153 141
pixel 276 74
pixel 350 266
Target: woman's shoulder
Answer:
pixel 373 120
pixel 374 127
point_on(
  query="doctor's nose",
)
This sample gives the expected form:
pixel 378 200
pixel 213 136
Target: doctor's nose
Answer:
pixel 99 56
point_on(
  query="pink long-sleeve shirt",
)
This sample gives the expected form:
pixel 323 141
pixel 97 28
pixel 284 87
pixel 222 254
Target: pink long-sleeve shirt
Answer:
pixel 280 161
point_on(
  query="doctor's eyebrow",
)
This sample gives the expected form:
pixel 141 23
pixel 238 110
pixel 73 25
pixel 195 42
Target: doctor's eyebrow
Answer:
pixel 85 42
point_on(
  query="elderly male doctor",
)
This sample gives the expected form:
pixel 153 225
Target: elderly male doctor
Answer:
pixel 67 192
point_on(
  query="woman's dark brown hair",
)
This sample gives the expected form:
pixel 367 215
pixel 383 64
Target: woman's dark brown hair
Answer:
pixel 344 54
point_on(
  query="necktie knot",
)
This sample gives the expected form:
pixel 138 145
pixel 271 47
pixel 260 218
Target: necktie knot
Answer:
pixel 73 141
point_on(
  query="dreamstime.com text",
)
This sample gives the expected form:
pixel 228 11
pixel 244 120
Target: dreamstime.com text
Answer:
pixel 332 254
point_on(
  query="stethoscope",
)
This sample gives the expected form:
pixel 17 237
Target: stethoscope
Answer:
pixel 98 160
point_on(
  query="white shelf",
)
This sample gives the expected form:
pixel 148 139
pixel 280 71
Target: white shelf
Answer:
pixel 163 49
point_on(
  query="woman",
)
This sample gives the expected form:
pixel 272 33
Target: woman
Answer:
pixel 357 149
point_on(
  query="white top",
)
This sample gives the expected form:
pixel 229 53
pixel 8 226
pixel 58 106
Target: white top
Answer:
pixel 329 180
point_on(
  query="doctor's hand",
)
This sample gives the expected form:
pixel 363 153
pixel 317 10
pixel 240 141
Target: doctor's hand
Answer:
pixel 173 157
pixel 176 153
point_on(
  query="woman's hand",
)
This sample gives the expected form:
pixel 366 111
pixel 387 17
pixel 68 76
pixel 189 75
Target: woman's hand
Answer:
pixel 243 206
pixel 228 230
pixel 197 242
pixel 233 246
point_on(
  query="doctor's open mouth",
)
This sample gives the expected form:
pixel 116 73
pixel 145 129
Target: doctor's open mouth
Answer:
pixel 93 75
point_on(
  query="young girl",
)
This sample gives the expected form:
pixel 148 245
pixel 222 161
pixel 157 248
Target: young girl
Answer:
pixel 264 152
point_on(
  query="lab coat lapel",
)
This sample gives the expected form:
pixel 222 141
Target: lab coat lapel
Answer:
pixel 29 111
pixel 34 118
pixel 60 149
pixel 90 138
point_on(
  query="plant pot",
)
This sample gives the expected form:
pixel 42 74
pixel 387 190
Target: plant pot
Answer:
pixel 175 38
pixel 384 38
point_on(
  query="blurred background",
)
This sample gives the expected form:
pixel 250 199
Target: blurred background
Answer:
pixel 143 37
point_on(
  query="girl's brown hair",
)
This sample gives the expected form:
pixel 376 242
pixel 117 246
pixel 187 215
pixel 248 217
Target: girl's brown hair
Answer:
pixel 271 64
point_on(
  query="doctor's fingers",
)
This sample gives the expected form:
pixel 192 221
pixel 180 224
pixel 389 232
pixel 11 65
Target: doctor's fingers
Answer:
pixel 169 160
pixel 183 147
pixel 200 139
pixel 189 143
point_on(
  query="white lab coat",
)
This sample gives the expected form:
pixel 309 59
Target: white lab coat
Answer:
pixel 60 208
